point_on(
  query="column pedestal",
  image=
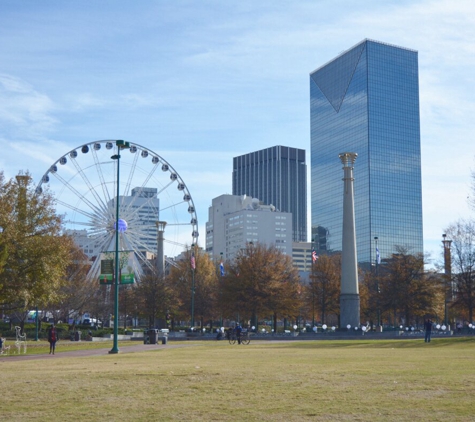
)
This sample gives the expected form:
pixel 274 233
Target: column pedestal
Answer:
pixel 349 310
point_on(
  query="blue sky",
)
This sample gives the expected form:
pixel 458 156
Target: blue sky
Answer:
pixel 200 82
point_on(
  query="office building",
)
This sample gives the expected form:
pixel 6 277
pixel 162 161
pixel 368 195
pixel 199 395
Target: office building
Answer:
pixel 278 177
pixel 366 100
pixel 90 245
pixel 302 256
pixel 234 221
pixel 141 211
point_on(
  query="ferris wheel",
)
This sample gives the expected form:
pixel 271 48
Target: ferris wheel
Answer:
pixel 152 198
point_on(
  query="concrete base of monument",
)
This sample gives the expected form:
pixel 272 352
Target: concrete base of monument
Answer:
pixel 349 310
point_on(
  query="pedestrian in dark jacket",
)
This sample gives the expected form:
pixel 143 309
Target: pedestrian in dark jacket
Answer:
pixel 52 338
pixel 428 329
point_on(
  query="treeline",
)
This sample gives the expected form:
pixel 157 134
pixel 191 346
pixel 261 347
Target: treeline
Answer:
pixel 41 267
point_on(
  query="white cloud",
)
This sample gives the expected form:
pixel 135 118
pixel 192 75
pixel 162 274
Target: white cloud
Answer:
pixel 23 110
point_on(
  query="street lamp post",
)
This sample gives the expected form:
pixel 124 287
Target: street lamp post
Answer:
pixel 1 250
pixel 115 347
pixel 377 262
pixel 312 277
pixel 221 273
pixel 36 324
pixel 255 316
pixel 447 277
pixel 193 267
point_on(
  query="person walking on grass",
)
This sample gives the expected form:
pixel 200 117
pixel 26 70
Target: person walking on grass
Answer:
pixel 428 329
pixel 52 338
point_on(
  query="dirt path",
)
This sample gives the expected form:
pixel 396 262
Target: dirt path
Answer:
pixel 135 348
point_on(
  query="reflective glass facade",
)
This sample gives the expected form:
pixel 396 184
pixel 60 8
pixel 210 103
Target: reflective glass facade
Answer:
pixel 367 101
pixel 276 176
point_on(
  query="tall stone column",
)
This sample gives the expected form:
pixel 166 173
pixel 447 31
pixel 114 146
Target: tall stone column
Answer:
pixel 349 292
pixel 160 263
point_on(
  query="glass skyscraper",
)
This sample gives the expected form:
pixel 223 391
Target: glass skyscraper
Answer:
pixel 366 101
pixel 277 176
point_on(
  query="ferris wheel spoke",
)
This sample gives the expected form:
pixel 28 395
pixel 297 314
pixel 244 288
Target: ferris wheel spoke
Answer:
pixel 134 211
pixel 100 202
pixel 166 187
pixel 100 174
pixel 142 236
pixel 95 270
pixel 79 195
pixel 138 266
pixel 86 214
pixel 171 242
pixel 131 174
pixel 103 242
pixel 137 240
pixel 171 206
pixel 141 188
pixel 94 220
pixel 178 224
pixel 130 244
pixel 79 223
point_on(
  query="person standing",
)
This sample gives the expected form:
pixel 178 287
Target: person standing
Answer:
pixel 428 329
pixel 52 338
pixel 238 331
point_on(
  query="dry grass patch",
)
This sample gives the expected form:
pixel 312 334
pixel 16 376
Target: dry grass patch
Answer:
pixel 265 381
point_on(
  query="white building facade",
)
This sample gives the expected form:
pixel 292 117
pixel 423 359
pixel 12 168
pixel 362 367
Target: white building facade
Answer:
pixel 234 221
pixel 302 256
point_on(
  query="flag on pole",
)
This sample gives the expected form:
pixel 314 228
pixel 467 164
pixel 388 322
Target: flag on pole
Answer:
pixel 221 268
pixel 378 256
pixel 314 256
pixel 193 262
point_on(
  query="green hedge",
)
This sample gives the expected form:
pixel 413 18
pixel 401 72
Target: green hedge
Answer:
pixel 64 332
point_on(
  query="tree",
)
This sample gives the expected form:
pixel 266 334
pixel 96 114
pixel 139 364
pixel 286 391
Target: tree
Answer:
pixel 405 289
pixel 462 234
pixel 323 292
pixel 370 296
pixel 78 291
pixel 154 297
pixel 262 280
pixel 205 283
pixel 38 254
pixel 3 251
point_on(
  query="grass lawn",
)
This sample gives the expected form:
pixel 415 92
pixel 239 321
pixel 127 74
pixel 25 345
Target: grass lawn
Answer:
pixel 354 380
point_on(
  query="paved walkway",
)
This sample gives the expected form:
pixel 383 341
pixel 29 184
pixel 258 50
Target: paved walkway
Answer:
pixel 135 348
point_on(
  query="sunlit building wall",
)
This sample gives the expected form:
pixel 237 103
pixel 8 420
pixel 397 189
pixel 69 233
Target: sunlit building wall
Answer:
pixel 366 101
